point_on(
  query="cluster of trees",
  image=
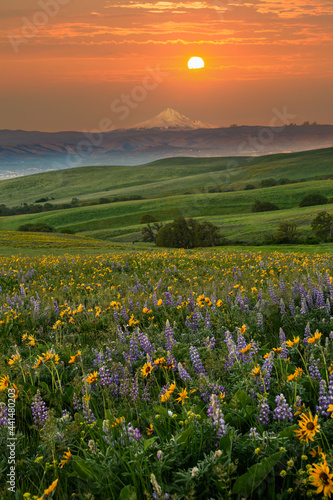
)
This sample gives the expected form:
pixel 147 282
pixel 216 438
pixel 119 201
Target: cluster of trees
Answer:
pixel 264 206
pixel 321 225
pixel 41 227
pixel 36 208
pixel 313 199
pixel 182 233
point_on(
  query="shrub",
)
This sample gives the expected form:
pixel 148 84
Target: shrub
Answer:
pixel 287 233
pixel 182 233
pixel 264 206
pixel 147 219
pixel 322 226
pixel 102 201
pixel 40 227
pixel 268 183
pixel 312 199
pixel 249 187
pixel 67 231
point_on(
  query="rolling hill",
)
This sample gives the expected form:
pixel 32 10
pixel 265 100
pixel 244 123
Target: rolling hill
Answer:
pixel 178 186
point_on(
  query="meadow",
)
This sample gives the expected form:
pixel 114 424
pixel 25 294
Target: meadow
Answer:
pixel 167 374
pixel 177 186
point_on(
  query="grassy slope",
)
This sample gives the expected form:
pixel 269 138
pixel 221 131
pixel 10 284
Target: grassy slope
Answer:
pixel 164 177
pixel 232 210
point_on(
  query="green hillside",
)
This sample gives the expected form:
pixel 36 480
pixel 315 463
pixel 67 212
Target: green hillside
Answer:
pixel 166 177
pixel 163 185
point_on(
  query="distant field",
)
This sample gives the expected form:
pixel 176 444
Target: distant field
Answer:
pixel 163 185
pixel 167 177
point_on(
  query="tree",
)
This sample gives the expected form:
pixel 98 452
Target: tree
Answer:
pixel 322 226
pixel 287 233
pixel 39 227
pixel 264 206
pixel 268 183
pixel 182 233
pixel 147 219
pixel 312 199
pixel 150 232
pixel 206 234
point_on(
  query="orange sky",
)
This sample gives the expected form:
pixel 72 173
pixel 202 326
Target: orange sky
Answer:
pixel 78 57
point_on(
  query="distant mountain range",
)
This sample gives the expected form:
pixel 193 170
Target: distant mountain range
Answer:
pixel 169 134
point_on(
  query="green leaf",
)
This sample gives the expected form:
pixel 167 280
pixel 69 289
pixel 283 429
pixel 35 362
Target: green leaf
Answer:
pixel 128 493
pixel 248 482
pixel 184 436
pixel 226 444
pixel 161 410
pixel 242 398
pixel 44 386
pixel 148 442
pixel 288 432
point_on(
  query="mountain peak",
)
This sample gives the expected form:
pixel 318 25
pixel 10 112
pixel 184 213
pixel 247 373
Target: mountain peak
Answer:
pixel 170 119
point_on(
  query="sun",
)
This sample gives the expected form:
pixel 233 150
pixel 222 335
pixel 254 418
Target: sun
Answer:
pixel 195 63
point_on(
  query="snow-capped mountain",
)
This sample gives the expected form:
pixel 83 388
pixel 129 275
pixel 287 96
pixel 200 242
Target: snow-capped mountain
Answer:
pixel 170 119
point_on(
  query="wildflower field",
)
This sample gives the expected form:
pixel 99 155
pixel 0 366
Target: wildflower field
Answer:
pixel 166 374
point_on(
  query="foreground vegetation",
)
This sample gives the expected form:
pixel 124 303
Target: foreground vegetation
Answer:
pixel 168 374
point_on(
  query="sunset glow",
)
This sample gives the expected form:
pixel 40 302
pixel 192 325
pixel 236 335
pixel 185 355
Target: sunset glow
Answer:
pixel 62 70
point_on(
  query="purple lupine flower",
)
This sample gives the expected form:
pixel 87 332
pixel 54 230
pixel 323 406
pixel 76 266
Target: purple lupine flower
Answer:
pixel 307 334
pixel 145 396
pixel 260 321
pixel 105 376
pixel 183 373
pixel 253 434
pixel 130 304
pixel 282 411
pixel 208 323
pixel 267 368
pixel 292 307
pixel 232 349
pixel 304 307
pixel 39 410
pixel 169 334
pixel 124 313
pixel 314 370
pixel 282 286
pixel 55 307
pixel 3 415
pixel 263 411
pixel 77 404
pixel 88 414
pixel 133 348
pixel 214 411
pixel 323 400
pixel 196 361
pixel 282 307
pixel 320 300
pixel 272 294
pixel 134 392
pixel 120 335
pixel 210 343
pixel 22 291
pixel 144 342
pixel 328 306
